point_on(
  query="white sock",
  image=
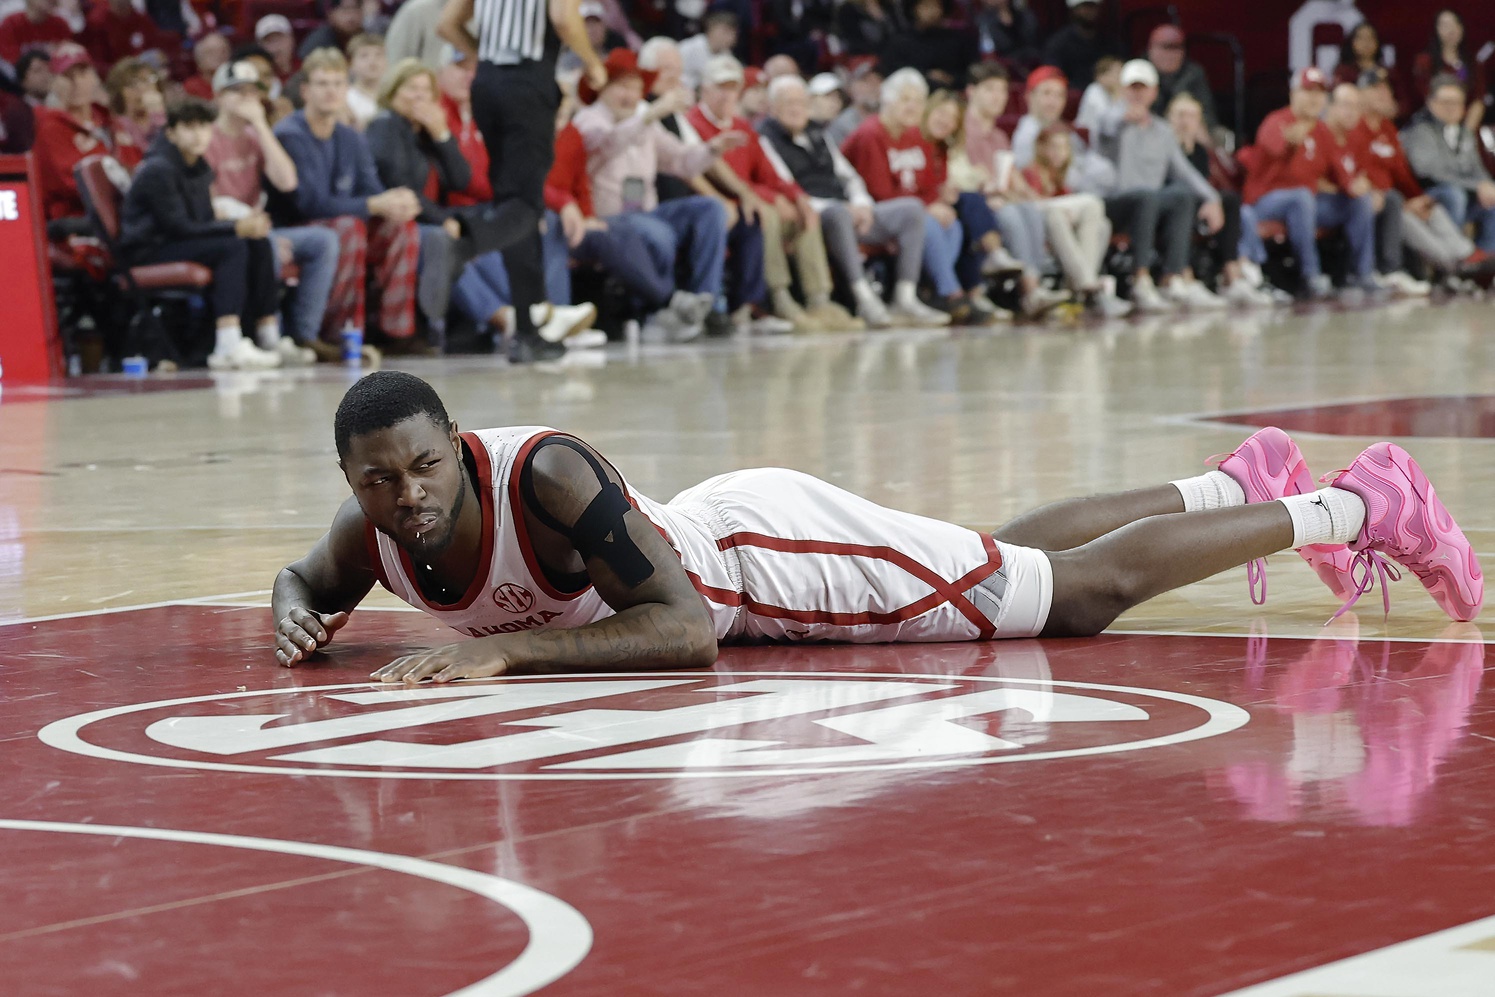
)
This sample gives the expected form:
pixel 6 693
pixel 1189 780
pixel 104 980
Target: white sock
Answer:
pixel 1327 516
pixel 267 333
pixel 905 293
pixel 228 338
pixel 1210 490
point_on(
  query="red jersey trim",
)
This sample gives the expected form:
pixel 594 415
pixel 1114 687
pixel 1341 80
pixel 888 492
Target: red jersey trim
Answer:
pixel 951 592
pixel 521 532
pixel 485 562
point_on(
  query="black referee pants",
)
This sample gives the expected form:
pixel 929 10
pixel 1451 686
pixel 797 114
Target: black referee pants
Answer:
pixel 514 107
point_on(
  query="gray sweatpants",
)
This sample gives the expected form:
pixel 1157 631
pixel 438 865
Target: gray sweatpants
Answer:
pixel 1437 240
pixel 900 220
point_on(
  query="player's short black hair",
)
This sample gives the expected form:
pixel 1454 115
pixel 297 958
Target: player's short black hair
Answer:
pixel 382 399
pixel 190 111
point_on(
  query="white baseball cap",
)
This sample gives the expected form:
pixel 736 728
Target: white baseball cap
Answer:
pixel 272 24
pixel 233 74
pixel 823 83
pixel 722 69
pixel 591 8
pixel 1139 71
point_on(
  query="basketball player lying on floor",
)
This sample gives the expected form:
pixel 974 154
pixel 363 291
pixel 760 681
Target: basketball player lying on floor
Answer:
pixel 530 542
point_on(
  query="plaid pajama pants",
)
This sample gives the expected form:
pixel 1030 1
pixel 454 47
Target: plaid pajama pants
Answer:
pixel 378 264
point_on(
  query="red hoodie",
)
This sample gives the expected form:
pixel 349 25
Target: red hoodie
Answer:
pixel 61 143
pixel 1385 162
pixel 904 167
pixel 18 33
pixel 568 182
pixel 748 161
pixel 1273 164
pixel 479 190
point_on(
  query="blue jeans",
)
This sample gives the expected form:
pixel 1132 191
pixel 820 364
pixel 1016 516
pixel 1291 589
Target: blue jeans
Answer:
pixel 745 282
pixel 976 220
pixel 315 250
pixel 696 226
pixel 1293 207
pixel 942 247
pixel 1462 206
pixel 1357 216
pixel 483 286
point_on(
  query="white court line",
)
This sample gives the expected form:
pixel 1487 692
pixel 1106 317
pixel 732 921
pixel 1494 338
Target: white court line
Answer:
pixel 559 936
pixel 108 610
pixel 1269 636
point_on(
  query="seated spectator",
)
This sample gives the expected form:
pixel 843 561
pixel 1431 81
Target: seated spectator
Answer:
pixel 933 47
pixel 895 160
pixel 1075 48
pixel 1426 227
pixel 1048 92
pixel 1448 54
pixel 1007 30
pixel 625 149
pixel 338 187
pixel 210 51
pixel 1186 118
pixel 753 104
pixel 866 93
pixel 412 145
pixel 660 56
pixel 802 153
pixel 167 217
pixel 779 65
pixel 366 69
pixel 1102 96
pixel 277 104
pixel 245 154
pixel 35 26
pixel 136 102
pixel 1284 171
pixel 985 164
pixel 718 37
pixel 344 19
pixel 116 30
pixel 1362 53
pixel 17 124
pixel 412 33
pixel 1157 197
pixel 866 27
pixel 1343 121
pixel 1077 226
pixel 603 38
pixel 274 34
pixel 783 209
pixel 1445 157
pixel 1178 74
pixel 76 127
pixel 826 99
pixel 34 76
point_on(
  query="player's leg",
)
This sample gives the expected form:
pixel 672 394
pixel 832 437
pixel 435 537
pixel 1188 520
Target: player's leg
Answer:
pixel 1073 522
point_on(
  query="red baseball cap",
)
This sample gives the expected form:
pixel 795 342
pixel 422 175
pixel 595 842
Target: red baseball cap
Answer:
pixel 1166 34
pixel 1309 78
pixel 620 62
pixel 69 56
pixel 1045 73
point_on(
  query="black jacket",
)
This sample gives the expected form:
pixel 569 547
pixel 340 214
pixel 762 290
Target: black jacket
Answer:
pixel 1076 53
pixel 168 201
pixel 405 158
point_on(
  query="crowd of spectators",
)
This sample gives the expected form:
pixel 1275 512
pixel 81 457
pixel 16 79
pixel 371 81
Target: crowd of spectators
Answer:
pixel 889 163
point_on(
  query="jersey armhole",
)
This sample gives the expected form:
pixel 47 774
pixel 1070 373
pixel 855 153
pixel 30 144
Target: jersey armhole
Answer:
pixel 371 542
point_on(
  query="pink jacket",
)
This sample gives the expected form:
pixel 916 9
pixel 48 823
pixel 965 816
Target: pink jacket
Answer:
pixel 619 150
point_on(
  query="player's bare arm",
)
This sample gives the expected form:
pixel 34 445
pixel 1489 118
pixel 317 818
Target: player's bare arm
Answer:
pixel 584 531
pixel 314 595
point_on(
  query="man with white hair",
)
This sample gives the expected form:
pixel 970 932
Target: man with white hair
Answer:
pixel 800 150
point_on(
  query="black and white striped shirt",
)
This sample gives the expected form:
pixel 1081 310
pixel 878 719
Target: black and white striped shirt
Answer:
pixel 510 31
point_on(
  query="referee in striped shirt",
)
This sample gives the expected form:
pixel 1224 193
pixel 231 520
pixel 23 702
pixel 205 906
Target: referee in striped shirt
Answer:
pixel 514 104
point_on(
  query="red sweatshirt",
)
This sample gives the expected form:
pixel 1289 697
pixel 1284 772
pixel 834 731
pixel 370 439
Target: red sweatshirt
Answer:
pixel 18 33
pixel 61 143
pixel 748 161
pixel 1385 162
pixel 109 38
pixel 1276 165
pixel 904 167
pixel 474 150
pixel 568 182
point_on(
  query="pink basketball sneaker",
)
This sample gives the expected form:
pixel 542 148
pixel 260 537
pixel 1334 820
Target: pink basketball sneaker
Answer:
pixel 1268 466
pixel 1407 522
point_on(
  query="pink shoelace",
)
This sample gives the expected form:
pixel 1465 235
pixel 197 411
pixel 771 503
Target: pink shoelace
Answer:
pixel 1256 571
pixel 1366 569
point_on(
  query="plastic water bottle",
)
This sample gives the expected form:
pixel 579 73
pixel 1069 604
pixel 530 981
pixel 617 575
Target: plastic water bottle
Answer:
pixel 352 344
pixel 136 366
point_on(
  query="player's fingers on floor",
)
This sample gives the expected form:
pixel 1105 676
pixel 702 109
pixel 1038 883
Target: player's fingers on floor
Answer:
pixel 309 623
pixel 427 666
pixel 287 646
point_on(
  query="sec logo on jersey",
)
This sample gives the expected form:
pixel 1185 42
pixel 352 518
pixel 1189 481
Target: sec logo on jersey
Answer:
pixel 513 598
pixel 645 726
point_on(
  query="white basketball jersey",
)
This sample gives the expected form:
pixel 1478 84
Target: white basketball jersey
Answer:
pixel 510 593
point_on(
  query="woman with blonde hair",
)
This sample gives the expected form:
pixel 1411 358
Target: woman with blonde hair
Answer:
pixel 411 140
pixel 1077 227
pixel 135 99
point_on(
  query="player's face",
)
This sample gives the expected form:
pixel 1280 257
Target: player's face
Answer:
pixel 409 481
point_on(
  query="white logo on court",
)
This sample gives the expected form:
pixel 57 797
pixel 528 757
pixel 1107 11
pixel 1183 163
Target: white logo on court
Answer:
pixel 654 725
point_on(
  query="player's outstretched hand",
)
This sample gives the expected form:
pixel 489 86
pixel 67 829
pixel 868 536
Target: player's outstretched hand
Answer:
pixel 468 660
pixel 302 632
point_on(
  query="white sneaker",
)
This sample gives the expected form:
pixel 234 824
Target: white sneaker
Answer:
pixel 1041 300
pixel 1251 271
pixel 556 322
pixel 770 325
pixel 1404 285
pixel 1244 295
pixel 872 309
pixel 1146 299
pixel 980 299
pixel 691 307
pixel 916 313
pixel 1106 304
pixel 1193 295
pixel 243 355
pixel 1000 261
pixel 292 354
pixel 586 339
